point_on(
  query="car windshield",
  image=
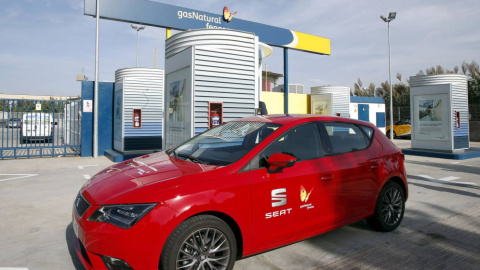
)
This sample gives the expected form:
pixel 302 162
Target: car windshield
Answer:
pixel 225 144
pixel 404 121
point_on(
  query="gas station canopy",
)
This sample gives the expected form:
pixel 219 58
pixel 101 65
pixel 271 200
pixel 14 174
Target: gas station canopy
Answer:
pixel 180 18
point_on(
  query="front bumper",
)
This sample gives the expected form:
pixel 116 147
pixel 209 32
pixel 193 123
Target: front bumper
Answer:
pixel 139 246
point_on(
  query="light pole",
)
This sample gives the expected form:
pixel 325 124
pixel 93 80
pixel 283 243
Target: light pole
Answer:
pixel 138 29
pixel 390 18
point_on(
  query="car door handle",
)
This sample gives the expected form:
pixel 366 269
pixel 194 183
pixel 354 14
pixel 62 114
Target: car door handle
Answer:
pixel 375 166
pixel 326 178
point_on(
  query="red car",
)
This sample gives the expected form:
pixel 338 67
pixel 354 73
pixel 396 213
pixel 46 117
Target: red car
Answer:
pixel 238 189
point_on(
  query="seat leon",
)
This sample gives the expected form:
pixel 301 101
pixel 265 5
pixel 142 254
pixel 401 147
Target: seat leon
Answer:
pixel 238 189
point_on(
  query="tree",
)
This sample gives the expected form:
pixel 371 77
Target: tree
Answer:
pixel 380 92
pixel 371 90
pixel 473 73
pixel 358 88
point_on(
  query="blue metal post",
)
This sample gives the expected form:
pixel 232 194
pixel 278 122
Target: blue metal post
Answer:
pixel 285 78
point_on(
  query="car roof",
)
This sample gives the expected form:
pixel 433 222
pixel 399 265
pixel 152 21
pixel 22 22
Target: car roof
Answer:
pixel 284 119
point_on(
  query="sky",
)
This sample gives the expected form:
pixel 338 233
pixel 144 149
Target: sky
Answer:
pixel 45 43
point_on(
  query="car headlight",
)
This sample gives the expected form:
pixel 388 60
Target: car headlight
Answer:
pixel 123 216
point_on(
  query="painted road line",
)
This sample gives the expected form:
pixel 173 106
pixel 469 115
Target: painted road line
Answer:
pixel 16 176
pixel 448 180
pixel 81 167
pixel 86 176
pixel 13 268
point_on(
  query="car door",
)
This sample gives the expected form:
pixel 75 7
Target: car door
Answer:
pixel 298 200
pixel 356 161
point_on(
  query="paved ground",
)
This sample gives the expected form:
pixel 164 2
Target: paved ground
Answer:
pixel 441 227
pixel 451 243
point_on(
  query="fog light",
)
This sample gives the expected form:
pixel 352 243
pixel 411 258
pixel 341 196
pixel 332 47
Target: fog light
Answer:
pixel 115 264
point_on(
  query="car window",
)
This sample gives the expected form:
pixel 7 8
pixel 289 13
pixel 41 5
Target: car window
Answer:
pixel 368 131
pixel 224 144
pixel 301 142
pixel 346 137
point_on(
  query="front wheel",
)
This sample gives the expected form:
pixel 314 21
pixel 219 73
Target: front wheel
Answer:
pixel 389 208
pixel 200 242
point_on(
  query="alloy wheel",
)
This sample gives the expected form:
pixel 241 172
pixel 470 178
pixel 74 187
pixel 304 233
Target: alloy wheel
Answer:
pixel 205 249
pixel 392 206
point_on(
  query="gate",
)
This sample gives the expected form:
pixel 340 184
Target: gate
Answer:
pixel 39 128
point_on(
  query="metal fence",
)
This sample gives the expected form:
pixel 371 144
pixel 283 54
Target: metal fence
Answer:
pixel 474 112
pixel 398 113
pixel 38 128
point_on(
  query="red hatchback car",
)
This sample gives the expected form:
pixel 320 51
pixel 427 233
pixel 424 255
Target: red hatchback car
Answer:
pixel 238 189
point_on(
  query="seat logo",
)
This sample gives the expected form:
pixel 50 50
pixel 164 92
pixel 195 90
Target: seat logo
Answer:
pixel 279 197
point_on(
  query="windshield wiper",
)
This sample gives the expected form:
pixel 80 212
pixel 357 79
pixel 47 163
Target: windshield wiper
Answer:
pixel 193 159
pixel 172 151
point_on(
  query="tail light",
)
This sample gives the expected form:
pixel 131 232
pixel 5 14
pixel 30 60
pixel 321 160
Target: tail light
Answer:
pixel 51 126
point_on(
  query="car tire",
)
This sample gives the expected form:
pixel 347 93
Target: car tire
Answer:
pixel 389 208
pixel 182 246
pixel 394 134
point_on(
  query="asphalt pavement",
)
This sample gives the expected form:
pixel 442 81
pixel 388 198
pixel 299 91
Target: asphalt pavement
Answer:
pixel 440 230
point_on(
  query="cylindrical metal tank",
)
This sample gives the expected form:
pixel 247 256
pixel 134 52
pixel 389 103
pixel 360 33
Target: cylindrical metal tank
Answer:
pixel 217 72
pixel 340 98
pixel 154 74
pixel 458 82
pixel 138 109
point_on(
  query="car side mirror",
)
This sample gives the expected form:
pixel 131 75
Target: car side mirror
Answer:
pixel 278 161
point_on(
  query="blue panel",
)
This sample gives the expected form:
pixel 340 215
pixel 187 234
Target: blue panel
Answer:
pixel 461 137
pixel 105 118
pixel 87 121
pixel 469 153
pixel 460 142
pixel 363 112
pixel 169 16
pixel 357 99
pixel 462 131
pixel 286 88
pixel 380 119
pixel 147 129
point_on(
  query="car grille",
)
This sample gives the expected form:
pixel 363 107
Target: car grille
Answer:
pixel 81 205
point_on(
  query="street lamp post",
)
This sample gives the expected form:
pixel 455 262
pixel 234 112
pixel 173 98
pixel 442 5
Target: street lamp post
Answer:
pixel 138 29
pixel 390 18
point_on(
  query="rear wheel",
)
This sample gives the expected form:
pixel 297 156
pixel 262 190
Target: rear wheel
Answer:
pixel 200 242
pixel 389 208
